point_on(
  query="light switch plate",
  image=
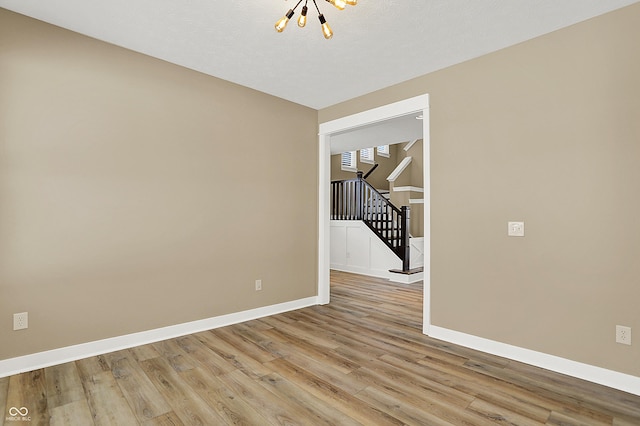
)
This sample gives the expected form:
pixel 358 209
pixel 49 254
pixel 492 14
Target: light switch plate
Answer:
pixel 515 229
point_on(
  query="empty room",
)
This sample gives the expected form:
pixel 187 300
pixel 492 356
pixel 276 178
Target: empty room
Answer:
pixel 313 212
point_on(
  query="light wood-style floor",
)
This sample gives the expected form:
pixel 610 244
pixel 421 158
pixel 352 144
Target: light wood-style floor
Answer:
pixel 362 359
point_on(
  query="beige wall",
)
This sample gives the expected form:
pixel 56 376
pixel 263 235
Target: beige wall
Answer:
pixel 336 171
pixel 413 175
pixel 378 178
pixel 547 132
pixel 122 208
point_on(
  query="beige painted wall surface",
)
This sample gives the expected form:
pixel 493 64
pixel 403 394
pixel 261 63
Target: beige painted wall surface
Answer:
pixel 122 206
pixel 378 178
pixel 547 132
pixel 336 171
pixel 411 176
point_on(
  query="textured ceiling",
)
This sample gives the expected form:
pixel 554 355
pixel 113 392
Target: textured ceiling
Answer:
pixel 376 43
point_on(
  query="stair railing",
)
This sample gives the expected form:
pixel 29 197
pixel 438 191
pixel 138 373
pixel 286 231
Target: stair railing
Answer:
pixel 356 199
pixel 375 166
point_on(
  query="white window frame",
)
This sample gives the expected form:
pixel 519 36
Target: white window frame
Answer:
pixel 383 151
pixel 350 165
pixel 367 155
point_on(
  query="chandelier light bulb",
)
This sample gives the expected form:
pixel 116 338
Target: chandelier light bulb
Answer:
pixel 327 32
pixel 282 23
pixel 339 4
pixel 302 20
pixel 326 29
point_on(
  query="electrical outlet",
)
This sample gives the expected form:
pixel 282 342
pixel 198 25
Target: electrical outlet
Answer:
pixel 515 229
pixel 623 334
pixel 258 285
pixel 21 321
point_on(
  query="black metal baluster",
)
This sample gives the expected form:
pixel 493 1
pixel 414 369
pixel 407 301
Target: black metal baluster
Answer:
pixel 405 239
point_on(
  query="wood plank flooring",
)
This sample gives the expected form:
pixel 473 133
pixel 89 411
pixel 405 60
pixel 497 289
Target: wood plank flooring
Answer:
pixel 361 360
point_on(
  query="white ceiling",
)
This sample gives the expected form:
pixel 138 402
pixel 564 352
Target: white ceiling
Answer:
pixel 376 43
pixel 389 132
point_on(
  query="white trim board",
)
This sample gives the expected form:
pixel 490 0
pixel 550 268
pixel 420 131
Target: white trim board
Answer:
pixel 399 169
pixel 408 146
pixel 11 366
pixel 407 189
pixel 376 115
pixel 602 376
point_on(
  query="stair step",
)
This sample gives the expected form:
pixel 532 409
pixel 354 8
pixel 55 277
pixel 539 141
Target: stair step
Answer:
pixel 409 272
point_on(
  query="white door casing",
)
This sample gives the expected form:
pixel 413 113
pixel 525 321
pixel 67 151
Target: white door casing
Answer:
pixel 419 105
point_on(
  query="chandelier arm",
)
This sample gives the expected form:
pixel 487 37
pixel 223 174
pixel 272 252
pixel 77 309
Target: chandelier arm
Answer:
pixel 316 5
pixel 297 4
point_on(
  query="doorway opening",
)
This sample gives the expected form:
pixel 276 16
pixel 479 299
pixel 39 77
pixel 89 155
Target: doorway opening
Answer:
pixel 335 130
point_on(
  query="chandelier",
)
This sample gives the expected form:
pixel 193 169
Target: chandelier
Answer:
pixel 302 20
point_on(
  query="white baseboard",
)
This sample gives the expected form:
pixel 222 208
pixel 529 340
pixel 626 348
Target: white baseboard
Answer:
pixel 381 273
pixel 11 366
pixel 602 376
pixel 406 278
pixel 378 273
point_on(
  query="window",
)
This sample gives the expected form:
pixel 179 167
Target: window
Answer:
pixel 383 150
pixel 348 161
pixel 366 155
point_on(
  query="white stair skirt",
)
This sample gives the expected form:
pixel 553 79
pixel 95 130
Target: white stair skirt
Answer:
pixel 355 248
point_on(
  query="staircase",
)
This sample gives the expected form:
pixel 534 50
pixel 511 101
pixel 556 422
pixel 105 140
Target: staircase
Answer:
pixel 356 199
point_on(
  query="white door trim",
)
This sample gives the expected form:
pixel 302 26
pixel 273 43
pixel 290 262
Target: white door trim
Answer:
pixel 418 104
